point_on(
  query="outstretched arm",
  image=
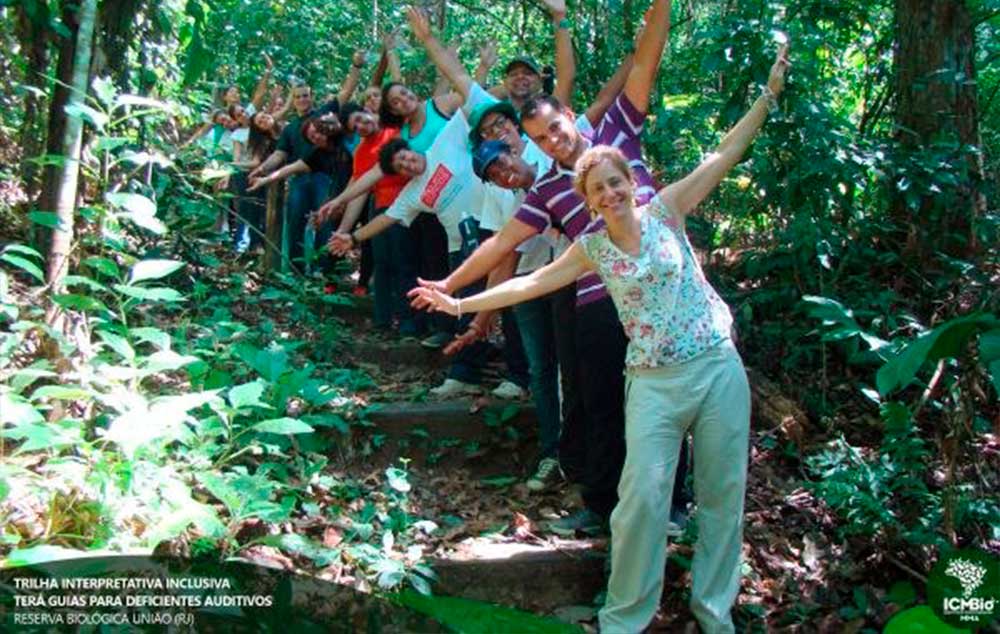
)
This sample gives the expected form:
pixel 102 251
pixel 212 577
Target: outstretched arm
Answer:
pixel 565 60
pixel 648 53
pixel 351 81
pixel 447 64
pixel 687 193
pixel 550 277
pixel 357 187
pixel 487 59
pixel 275 159
pixel 260 92
pixel 354 209
pixel 298 167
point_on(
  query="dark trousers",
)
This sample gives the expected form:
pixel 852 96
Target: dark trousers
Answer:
pixel 367 267
pixel 430 250
pixel 394 275
pixel 470 360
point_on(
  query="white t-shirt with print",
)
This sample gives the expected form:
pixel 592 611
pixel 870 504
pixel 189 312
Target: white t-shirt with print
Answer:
pixel 448 187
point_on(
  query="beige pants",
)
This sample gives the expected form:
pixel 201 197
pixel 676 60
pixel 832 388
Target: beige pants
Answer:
pixel 710 397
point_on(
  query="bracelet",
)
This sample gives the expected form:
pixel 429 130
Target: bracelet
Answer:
pixel 564 23
pixel 354 238
pixel 458 304
pixel 770 98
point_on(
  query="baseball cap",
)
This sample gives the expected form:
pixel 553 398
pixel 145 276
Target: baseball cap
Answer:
pixel 524 60
pixel 485 154
pixel 480 111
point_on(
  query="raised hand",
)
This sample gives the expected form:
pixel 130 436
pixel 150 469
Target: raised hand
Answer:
pixel 340 243
pixel 267 61
pixel 556 7
pixel 488 54
pixel 434 300
pixel 417 300
pixel 389 39
pixel 419 24
pixel 776 79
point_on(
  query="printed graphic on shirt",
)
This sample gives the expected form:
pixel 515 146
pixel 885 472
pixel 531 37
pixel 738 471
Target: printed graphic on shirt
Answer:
pixel 435 185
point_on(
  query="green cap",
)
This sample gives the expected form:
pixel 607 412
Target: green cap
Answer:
pixel 523 60
pixel 483 109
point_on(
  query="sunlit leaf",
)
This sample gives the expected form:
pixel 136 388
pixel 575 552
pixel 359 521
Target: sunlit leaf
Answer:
pixel 153 270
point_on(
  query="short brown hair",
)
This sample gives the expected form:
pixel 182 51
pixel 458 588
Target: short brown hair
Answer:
pixel 594 157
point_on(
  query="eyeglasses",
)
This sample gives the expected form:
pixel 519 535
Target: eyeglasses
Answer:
pixel 495 127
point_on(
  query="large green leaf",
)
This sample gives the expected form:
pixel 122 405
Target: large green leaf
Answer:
pixel 62 393
pixel 468 616
pixel 919 620
pixel 41 554
pixel 247 395
pixel 15 410
pixel 106 266
pixel 118 343
pixel 138 209
pixel 283 426
pixel 25 265
pixel 948 340
pixel 153 270
pixel 154 294
pixel 44 436
pixel 91 115
pixel 989 355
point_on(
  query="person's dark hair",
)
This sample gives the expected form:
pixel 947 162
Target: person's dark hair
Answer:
pixel 531 107
pixel 261 142
pixel 347 110
pixel 385 116
pixel 231 110
pixel 548 79
pixel 389 152
pixel 216 114
pixel 333 133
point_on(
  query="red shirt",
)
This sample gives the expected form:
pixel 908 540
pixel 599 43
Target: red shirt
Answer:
pixel 366 157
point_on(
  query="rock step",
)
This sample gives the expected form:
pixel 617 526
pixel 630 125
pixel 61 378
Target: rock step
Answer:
pixel 534 577
pixel 500 438
pixel 357 311
pixel 394 355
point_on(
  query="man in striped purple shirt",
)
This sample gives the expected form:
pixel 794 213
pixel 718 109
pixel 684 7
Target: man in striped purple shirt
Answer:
pixel 552 202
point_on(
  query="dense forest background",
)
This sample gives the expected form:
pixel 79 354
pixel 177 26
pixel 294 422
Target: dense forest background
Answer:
pixel 856 245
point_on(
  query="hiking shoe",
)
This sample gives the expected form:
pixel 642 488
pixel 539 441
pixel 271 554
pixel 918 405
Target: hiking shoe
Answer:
pixel 360 291
pixel 546 476
pixel 509 390
pixel 583 521
pixel 454 387
pixel 436 340
pixel 677 522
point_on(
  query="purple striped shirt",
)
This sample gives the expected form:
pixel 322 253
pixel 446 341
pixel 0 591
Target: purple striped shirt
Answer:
pixel 552 200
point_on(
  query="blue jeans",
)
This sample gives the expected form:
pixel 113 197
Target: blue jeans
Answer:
pixel 535 319
pixel 306 193
pixel 250 209
pixel 469 362
pixel 395 274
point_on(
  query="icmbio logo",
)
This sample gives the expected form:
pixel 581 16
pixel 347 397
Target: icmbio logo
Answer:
pixel 964 588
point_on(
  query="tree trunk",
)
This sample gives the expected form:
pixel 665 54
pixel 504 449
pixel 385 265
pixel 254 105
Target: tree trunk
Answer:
pixel 117 20
pixel 937 112
pixel 65 194
pixel 33 37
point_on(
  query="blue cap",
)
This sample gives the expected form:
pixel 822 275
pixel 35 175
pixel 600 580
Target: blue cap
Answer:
pixel 485 153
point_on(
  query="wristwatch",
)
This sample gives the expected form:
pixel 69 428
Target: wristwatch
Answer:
pixel 564 23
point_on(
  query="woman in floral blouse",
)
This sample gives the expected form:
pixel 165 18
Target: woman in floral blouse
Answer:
pixel 683 372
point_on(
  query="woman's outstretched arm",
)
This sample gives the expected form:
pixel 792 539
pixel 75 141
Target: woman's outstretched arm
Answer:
pixel 687 193
pixel 569 266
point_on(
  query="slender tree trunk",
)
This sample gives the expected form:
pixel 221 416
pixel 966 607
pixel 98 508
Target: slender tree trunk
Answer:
pixel 65 195
pixel 937 111
pixel 117 24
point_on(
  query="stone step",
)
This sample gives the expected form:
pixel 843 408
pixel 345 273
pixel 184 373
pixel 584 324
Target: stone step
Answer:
pixel 534 577
pixel 358 311
pixel 498 439
pixel 395 355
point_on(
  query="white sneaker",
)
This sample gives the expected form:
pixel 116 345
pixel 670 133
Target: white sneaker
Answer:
pixel 454 387
pixel 509 390
pixel 546 476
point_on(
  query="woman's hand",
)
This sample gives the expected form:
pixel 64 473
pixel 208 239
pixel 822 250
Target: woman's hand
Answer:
pixel 434 300
pixel 776 79
pixel 417 300
pixel 419 24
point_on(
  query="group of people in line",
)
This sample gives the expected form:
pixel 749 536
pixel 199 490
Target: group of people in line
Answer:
pixel 484 203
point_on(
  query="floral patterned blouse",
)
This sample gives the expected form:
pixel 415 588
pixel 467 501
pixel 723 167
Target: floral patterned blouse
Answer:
pixel 669 310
